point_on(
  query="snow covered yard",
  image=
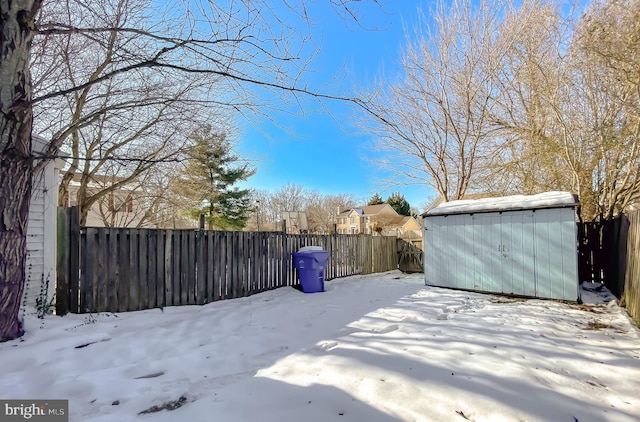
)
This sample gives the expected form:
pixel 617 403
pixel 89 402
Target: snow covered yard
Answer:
pixel 373 348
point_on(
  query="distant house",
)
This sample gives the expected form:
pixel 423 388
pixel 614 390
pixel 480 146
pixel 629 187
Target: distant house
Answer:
pixel 40 272
pixel 405 227
pixel 120 208
pixel 379 219
pixel 364 220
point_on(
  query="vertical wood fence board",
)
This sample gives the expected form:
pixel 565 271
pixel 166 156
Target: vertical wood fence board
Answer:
pixel 86 288
pixel 112 272
pixel 201 267
pixel 240 265
pixel 168 268
pixel 160 271
pixel 253 263
pixel 248 269
pixel 101 276
pixel 123 278
pixel 210 256
pixel 175 267
pixel 218 266
pixel 228 274
pixel 88 249
pixel 184 283
pixel 191 267
pixel 143 268
pixel 236 272
pixel 134 279
pixel 223 248
pixel 152 278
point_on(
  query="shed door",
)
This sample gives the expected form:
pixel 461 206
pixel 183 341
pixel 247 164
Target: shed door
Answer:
pixel 503 251
pixel 516 252
pixel 486 251
pixel 556 253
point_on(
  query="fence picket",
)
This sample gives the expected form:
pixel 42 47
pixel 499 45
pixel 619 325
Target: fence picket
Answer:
pixel 112 270
pixel 143 264
pixel 152 256
pixel 134 284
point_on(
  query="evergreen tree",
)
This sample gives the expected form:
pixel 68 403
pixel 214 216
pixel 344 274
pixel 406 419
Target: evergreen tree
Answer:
pixel 375 200
pixel 399 203
pixel 211 173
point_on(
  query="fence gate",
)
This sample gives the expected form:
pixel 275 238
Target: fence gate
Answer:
pixel 602 253
pixel 410 257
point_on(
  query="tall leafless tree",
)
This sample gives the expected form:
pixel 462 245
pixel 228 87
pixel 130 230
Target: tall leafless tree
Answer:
pixel 432 121
pixel 249 47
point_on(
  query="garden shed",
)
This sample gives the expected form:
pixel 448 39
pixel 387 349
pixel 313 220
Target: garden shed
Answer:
pixel 518 245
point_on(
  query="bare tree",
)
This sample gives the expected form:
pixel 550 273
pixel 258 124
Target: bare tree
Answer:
pixel 569 116
pixel 118 128
pixel 530 80
pixel 16 162
pixel 322 210
pixel 606 100
pixel 433 126
pixel 247 47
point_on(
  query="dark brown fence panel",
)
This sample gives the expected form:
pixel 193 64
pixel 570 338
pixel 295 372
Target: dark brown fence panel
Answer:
pixel 410 257
pixel 590 252
pixel 601 253
pixel 121 269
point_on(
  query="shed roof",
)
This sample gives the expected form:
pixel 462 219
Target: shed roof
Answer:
pixel 506 203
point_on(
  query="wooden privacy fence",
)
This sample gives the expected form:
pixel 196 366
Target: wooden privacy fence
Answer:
pixel 602 253
pixel 122 269
pixel 609 253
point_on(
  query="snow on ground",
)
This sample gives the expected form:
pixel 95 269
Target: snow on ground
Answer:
pixel 371 348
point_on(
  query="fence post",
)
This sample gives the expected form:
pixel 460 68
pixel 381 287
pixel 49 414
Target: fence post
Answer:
pixel 68 260
pixel 74 259
pixel 62 264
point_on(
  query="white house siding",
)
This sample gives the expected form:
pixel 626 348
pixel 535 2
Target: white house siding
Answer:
pixel 523 252
pixel 41 232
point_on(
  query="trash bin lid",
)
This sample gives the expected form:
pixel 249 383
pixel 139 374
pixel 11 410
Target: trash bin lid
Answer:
pixel 310 248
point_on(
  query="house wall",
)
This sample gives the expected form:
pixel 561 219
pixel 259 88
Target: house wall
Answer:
pixel 41 231
pixel 126 217
pixel 528 253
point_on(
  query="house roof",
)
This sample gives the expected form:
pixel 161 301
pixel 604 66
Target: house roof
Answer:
pixel 373 209
pixel 506 203
pixel 365 210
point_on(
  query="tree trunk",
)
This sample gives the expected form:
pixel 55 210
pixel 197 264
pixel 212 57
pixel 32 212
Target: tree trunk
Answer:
pixel 16 163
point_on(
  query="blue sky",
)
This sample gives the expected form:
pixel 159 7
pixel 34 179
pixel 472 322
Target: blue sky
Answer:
pixel 319 154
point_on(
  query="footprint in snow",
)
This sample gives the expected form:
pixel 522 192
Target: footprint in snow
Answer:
pixel 327 345
pixel 387 329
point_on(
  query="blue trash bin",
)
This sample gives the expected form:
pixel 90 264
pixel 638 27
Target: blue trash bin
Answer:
pixel 310 262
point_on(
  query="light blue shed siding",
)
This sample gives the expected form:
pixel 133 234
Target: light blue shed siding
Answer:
pixel 525 252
